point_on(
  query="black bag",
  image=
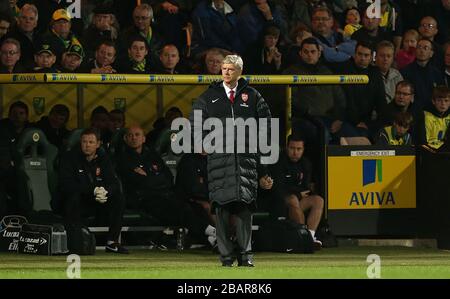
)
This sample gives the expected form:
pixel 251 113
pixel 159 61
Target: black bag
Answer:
pixel 43 239
pixel 284 236
pixel 10 227
pixel 80 240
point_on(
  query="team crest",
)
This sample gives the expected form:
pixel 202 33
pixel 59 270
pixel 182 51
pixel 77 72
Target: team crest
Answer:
pixel 244 97
pixel 39 105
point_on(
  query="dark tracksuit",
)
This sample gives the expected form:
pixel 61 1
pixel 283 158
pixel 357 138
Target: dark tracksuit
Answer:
pixel 77 181
pixel 289 178
pixel 154 192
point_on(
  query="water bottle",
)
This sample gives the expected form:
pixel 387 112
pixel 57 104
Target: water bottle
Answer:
pixel 180 239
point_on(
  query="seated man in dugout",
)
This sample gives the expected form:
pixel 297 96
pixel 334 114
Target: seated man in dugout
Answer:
pixel 148 185
pixel 292 186
pixel 89 186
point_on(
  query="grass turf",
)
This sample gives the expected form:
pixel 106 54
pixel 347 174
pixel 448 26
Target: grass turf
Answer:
pixel 342 262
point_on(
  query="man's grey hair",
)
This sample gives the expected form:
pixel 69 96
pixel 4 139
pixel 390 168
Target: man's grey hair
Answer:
pixel 146 7
pixel 236 60
pixel 29 7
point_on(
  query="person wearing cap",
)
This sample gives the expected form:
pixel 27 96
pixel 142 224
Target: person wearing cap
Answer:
pixel 60 34
pixel 100 29
pixel 72 59
pixel 25 33
pixel 44 59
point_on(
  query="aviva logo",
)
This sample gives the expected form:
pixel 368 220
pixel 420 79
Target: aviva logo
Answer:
pixel 372 171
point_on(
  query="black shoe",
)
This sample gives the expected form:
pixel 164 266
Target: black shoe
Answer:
pixel 227 264
pixel 116 248
pixel 246 263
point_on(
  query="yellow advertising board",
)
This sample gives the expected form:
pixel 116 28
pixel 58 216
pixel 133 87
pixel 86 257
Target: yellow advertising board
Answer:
pixel 371 181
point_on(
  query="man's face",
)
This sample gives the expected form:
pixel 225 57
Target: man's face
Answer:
pixel 270 41
pixel 18 116
pixel 4 27
pixel 447 57
pixel 424 51
pixel 70 61
pixel 27 21
pixel 409 41
pixel 363 57
pixel 135 138
pixel 45 59
pixel 62 28
pixel 105 55
pixel 101 122
pixel 403 96
pixel 56 120
pixel 103 21
pixel 138 51
pixel 295 150
pixel 169 57
pixel 371 24
pixel 213 63
pixel 9 55
pixel 89 144
pixel 310 54
pixel 401 130
pixel 230 73
pixel 442 103
pixel 322 23
pixel 428 27
pixel 384 58
pixel 117 120
pixel 446 4
pixel 141 19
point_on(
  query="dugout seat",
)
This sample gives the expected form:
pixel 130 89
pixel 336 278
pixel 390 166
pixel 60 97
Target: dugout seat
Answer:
pixel 35 161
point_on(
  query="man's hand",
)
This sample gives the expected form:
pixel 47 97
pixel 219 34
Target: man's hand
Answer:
pixel 264 8
pixel 140 171
pixel 336 126
pixel 104 70
pixel 100 194
pixel 266 182
pixel 305 193
pixel 169 7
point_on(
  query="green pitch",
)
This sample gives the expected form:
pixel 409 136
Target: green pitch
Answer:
pixel 342 262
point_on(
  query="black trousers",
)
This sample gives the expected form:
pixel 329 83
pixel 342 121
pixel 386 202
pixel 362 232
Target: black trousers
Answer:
pixel 77 207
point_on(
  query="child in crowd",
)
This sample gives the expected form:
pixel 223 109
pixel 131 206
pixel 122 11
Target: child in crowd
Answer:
pixel 397 134
pixel 407 53
pixel 352 20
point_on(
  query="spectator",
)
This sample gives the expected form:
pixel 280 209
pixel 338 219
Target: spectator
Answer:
pixel 292 187
pixel 253 17
pixel 54 125
pixel 148 184
pixel 265 57
pixel 89 185
pixel 45 59
pixel 422 74
pixel 160 127
pixel 136 62
pixel 293 13
pixel 352 21
pixel 335 47
pixel 117 117
pixel 215 26
pixel 100 121
pixel 211 61
pixel 72 59
pixel 402 102
pixel 10 52
pixel 142 25
pixel 391 21
pixel 397 134
pixel 60 34
pixel 100 29
pixel 5 24
pixel 384 60
pixel 407 53
pixel 24 32
pixel 363 100
pixel 16 122
pixel 162 144
pixel 105 56
pixel 428 29
pixel 371 31
pixel 432 124
pixel 169 59
pixel 297 35
pixel 441 12
pixel 15 10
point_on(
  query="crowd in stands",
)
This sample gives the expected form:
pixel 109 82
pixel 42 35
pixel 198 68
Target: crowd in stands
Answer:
pixel 405 52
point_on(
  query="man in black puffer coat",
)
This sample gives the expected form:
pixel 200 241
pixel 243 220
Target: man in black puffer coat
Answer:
pixel 232 175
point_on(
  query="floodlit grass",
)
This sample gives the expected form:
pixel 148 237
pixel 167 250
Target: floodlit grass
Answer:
pixel 343 262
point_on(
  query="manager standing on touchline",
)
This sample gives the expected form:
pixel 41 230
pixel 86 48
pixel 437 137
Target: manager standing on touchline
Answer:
pixel 233 177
